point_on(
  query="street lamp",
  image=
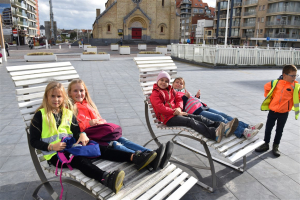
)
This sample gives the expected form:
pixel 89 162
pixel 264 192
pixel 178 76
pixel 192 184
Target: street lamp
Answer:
pixel 18 31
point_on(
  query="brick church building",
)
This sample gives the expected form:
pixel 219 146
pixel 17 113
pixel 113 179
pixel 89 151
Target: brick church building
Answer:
pixel 138 21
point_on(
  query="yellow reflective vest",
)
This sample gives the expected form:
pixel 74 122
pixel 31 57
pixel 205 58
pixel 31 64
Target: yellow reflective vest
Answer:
pixel 266 102
pixel 54 135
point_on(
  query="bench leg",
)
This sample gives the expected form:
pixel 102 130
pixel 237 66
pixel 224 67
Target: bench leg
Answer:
pixel 149 125
pixel 40 172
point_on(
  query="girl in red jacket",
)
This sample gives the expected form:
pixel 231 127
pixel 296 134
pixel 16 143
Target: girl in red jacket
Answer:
pixel 91 122
pixel 168 109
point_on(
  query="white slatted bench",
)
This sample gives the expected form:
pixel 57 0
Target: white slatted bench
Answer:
pixel 30 81
pixel 232 148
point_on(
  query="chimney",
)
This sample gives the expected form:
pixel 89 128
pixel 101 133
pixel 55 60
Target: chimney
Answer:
pixel 97 12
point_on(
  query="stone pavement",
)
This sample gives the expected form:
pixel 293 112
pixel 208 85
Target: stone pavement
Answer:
pixel 115 89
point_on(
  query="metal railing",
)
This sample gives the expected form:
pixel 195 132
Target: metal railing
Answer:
pixel 237 4
pixel 249 13
pixel 236 24
pixel 236 55
pixel 14 2
pixel 282 35
pixel 249 2
pixel 249 24
pixel 284 9
pixel 247 35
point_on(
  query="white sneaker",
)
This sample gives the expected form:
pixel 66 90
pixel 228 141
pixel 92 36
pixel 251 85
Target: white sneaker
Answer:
pixel 250 133
pixel 257 126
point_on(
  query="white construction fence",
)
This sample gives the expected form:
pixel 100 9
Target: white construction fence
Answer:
pixel 218 55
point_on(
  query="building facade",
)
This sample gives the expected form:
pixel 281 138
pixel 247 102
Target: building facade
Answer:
pixel 137 20
pixel 19 16
pixel 190 12
pixel 253 22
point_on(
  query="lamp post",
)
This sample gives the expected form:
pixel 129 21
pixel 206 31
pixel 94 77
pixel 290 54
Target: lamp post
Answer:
pixel 226 23
pixel 257 33
pixel 18 31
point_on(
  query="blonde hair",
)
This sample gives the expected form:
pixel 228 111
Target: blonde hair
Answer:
pixel 181 79
pixel 87 96
pixel 66 104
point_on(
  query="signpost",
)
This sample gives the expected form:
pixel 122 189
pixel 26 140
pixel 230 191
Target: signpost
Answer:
pixel 268 39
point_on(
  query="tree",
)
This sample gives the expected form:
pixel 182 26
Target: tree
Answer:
pixel 73 35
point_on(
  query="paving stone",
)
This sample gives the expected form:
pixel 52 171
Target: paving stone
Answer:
pixel 13 164
pixel 260 169
pixel 283 187
pixel 284 164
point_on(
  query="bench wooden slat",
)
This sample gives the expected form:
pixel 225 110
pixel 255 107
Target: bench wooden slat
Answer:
pixel 152 58
pixel 156 65
pixel 30 96
pixel 246 150
pixel 29 110
pixel 46 80
pixel 37 66
pixel 151 83
pixel 230 144
pixel 150 79
pixel 183 189
pixel 30 103
pixel 52 74
pixel 239 146
pixel 22 73
pixel 224 141
pixel 153 62
pixel 171 186
pixel 154 74
pixel 167 69
pixel 36 89
pixel 150 193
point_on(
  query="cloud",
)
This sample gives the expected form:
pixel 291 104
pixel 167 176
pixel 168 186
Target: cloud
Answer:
pixel 71 14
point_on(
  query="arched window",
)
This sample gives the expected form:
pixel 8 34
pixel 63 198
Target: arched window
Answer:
pixel 161 29
pixel 162 2
pixel 108 27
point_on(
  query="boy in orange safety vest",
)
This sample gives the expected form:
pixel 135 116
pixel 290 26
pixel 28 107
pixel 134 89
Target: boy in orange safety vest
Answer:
pixel 281 96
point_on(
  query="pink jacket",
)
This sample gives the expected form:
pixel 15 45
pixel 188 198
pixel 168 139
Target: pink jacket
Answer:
pixel 85 115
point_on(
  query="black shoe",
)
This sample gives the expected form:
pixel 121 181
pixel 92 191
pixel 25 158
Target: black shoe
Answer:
pixel 113 180
pixel 264 147
pixel 160 152
pixel 275 150
pixel 142 159
pixel 167 154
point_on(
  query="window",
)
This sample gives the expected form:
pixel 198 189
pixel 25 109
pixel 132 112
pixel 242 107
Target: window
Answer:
pixel 182 21
pixel 161 29
pixel 163 2
pixel 262 19
pixel 201 11
pixel 264 7
pixel 258 19
pixel 108 27
pixel 195 10
pixel 209 33
pixel 195 4
pixel 259 8
pixel 261 31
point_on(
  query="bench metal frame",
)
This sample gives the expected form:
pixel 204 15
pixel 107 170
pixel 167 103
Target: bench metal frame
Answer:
pixel 238 147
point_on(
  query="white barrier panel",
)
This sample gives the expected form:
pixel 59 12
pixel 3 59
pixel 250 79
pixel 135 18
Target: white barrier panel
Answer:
pixel 227 56
pixel 284 57
pixel 189 52
pixel 181 51
pixel 297 57
pixel 266 57
pixel 247 57
pixel 209 55
pixel 198 54
pixel 174 51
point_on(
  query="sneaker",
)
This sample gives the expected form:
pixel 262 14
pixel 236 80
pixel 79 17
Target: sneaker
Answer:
pixel 249 133
pixel 257 126
pixel 275 150
pixel 220 132
pixel 231 126
pixel 160 152
pixel 142 159
pixel 167 154
pixel 264 147
pixel 113 180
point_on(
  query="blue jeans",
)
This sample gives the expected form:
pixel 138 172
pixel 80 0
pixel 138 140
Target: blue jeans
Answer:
pixel 216 115
pixel 123 144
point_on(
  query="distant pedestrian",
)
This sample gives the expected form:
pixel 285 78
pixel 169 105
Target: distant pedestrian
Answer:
pixel 7 48
pixel 188 41
pixel 121 41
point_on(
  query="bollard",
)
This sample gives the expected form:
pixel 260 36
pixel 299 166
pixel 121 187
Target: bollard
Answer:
pixel 59 46
pixel 69 46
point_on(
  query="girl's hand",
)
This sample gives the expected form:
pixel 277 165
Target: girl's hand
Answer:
pixel 198 94
pixel 94 122
pixel 59 146
pixel 83 138
pixel 183 114
pixel 187 94
pixel 177 111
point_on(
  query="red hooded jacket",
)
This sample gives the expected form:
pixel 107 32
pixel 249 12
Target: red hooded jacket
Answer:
pixel 164 105
pixel 85 114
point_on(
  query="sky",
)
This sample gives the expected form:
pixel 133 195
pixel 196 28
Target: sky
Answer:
pixel 76 14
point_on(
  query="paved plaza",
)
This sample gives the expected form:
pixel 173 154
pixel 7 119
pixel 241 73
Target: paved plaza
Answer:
pixel 114 87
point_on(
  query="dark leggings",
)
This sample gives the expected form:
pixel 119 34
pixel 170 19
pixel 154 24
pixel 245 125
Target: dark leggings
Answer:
pixel 199 123
pixel 86 166
pixel 281 120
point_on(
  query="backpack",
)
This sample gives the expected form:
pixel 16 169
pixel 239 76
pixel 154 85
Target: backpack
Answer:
pixel 91 150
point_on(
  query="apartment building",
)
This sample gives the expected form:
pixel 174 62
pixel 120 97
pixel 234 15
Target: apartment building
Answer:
pixel 253 22
pixel 23 16
pixel 190 12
